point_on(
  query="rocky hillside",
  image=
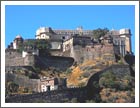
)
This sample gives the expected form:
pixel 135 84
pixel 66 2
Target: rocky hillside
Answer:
pixel 113 89
pixel 80 74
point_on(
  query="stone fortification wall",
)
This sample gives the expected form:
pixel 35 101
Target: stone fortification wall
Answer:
pixel 23 81
pixel 57 96
pixel 13 58
pixel 30 60
pixel 11 69
pixel 81 54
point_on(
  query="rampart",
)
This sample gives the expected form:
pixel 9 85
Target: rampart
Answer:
pixel 81 54
pixel 13 58
pixel 23 81
pixel 63 60
pixel 56 96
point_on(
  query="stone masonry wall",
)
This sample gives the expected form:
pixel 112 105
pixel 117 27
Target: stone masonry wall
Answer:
pixel 13 58
pixel 81 54
pixel 29 60
pixel 23 81
pixel 56 96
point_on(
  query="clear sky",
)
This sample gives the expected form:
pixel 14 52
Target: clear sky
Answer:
pixel 25 20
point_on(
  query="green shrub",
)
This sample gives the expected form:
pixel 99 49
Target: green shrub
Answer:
pixel 12 87
pixel 109 75
pixel 120 62
pixel 90 101
pixel 86 74
pixel 68 70
pixel 95 84
pixel 82 84
pixel 87 68
pixel 37 69
pixel 66 100
pixel 101 82
pixel 107 79
pixel 74 100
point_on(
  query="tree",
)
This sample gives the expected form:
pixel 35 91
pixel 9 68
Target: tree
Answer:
pixel 108 80
pixel 11 87
pixel 117 57
pixel 74 100
pixel 130 58
pixel 20 48
pixel 97 33
pixel 43 44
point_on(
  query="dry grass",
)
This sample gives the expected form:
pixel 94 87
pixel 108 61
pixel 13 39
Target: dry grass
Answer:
pixel 73 78
pixel 107 54
pixel 89 62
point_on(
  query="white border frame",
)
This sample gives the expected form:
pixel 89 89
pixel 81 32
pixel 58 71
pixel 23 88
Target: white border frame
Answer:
pixel 4 3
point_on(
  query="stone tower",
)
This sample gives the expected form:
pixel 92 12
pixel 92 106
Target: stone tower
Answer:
pixel 43 33
pixel 17 41
pixel 126 35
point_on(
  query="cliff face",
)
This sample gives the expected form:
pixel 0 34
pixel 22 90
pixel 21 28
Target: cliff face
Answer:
pixel 59 62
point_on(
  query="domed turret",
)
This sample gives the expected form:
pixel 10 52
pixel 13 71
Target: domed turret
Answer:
pixel 42 33
pixel 17 41
pixel 18 37
pixel 125 32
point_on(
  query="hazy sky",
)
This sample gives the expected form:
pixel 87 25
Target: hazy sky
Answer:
pixel 25 20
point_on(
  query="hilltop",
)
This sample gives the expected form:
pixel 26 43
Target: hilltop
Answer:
pixel 55 62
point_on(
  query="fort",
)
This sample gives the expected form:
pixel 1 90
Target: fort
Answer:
pixel 62 49
pixel 78 44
